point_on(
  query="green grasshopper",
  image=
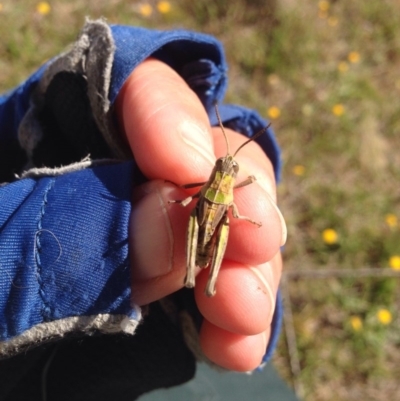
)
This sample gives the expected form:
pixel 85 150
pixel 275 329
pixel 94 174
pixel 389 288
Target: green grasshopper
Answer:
pixel 208 230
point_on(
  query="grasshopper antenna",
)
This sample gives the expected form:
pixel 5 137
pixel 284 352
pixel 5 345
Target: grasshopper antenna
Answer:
pixel 222 127
pixel 259 133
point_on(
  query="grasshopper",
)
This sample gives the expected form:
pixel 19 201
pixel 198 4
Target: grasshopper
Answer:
pixel 208 229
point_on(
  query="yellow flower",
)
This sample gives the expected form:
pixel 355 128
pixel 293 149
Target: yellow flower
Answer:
pixel 384 316
pixel 146 10
pixel 333 21
pixel 164 7
pixel 274 112
pixel 356 323
pixel 330 236
pixel 343 66
pixel 1 7
pixel 394 262
pixel 43 8
pixel 299 170
pixel 391 220
pixel 323 5
pixel 338 109
pixel 353 57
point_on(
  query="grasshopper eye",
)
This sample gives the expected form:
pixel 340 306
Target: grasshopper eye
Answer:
pixel 235 166
pixel 219 162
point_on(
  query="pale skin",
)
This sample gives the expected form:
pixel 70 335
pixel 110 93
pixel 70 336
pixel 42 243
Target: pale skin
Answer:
pixel 168 131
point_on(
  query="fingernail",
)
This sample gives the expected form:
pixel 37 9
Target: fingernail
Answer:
pixel 282 220
pixel 198 138
pixel 265 337
pixel 151 233
pixel 268 288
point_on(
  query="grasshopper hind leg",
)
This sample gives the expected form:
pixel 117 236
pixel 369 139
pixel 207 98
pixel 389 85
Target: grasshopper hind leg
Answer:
pixel 191 249
pixel 218 255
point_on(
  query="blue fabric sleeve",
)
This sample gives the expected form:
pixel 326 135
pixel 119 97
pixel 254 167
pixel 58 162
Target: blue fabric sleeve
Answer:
pixel 65 249
pixel 63 238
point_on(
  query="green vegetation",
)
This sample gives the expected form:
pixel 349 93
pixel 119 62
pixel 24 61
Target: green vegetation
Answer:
pixel 328 76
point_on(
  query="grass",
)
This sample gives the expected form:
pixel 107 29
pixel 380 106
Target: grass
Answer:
pixel 327 74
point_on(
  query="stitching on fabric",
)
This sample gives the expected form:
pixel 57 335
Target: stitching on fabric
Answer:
pixel 46 310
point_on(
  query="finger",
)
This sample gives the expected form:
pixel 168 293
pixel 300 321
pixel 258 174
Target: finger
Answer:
pixel 248 243
pixel 165 124
pixel 233 351
pixel 245 299
pixel 223 341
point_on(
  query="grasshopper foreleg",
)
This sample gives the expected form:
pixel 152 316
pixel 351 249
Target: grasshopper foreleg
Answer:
pixel 186 201
pixel 249 180
pixel 236 215
pixel 218 255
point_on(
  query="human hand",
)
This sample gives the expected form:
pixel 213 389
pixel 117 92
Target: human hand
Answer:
pixel 169 133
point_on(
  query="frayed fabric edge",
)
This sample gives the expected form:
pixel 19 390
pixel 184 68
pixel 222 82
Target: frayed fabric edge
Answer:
pixel 91 56
pixel 85 163
pixel 51 331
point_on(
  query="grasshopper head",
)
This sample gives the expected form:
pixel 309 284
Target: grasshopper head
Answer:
pixel 228 164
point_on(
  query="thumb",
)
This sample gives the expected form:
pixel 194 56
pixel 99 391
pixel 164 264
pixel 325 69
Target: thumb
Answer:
pixel 157 237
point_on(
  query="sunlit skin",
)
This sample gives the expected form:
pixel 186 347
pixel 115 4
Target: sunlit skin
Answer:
pixel 168 131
